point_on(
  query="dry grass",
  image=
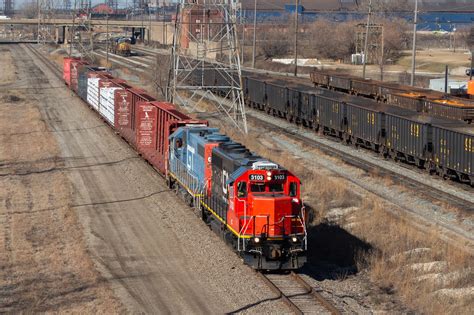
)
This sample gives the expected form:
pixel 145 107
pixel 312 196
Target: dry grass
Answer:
pixel 45 264
pixel 390 265
pixel 8 68
pixel 414 264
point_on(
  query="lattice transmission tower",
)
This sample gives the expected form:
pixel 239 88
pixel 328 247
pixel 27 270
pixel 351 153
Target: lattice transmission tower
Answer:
pixel 7 7
pixel 205 58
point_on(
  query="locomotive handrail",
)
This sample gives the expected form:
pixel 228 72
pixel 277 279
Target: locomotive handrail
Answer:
pixel 186 176
pixel 253 218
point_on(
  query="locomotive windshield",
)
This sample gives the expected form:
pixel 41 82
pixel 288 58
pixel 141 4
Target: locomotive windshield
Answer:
pixel 261 187
pixel 275 187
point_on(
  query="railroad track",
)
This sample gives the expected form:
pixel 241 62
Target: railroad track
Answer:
pixel 294 291
pixel 297 294
pixel 48 63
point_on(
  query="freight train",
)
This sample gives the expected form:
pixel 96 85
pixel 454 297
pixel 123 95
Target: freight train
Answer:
pixel 442 146
pixel 253 203
pixel 420 100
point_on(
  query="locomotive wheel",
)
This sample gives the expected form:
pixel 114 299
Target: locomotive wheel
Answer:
pixel 189 200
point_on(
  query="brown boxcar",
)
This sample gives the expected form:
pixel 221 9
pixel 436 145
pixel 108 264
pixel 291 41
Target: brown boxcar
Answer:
pixel 75 65
pixel 155 122
pixel 126 100
pixel 67 70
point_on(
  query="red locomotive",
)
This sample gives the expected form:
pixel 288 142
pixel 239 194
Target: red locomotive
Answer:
pixel 254 203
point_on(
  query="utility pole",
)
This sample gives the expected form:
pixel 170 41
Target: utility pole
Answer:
pixel 107 41
pixel 366 44
pixel 242 22
pixel 71 32
pixel 39 23
pixel 454 39
pixel 413 54
pixel 472 63
pixel 254 51
pixel 297 4
pixel 149 26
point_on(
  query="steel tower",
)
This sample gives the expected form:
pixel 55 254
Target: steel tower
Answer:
pixel 205 58
pixel 7 7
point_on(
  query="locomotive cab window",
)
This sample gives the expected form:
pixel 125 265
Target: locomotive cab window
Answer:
pixel 257 187
pixel 293 189
pixel 275 187
pixel 242 189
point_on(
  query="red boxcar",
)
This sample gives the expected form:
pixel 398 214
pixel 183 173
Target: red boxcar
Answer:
pixel 74 73
pixel 126 100
pixel 155 122
pixel 67 69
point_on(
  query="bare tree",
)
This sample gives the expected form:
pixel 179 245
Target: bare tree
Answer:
pixel 333 40
pixel 274 44
pixel 463 34
pixel 160 74
pixel 395 39
pixel 470 40
pixel 29 9
pixel 385 6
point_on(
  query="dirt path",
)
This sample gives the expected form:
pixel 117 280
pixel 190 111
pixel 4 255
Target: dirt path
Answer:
pixel 8 68
pixel 44 265
pixel 148 247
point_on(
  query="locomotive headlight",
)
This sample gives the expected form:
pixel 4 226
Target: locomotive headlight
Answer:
pixel 256 240
pixel 294 239
pixel 269 173
pixel 269 178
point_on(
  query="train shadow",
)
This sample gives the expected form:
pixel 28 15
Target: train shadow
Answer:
pixel 333 253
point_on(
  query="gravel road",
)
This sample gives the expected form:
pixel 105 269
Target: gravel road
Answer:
pixel 149 248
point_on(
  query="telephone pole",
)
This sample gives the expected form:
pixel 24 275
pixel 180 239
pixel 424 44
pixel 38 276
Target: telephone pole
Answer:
pixel 366 45
pixel 413 54
pixel 39 23
pixel 254 49
pixel 297 3
pixel 107 42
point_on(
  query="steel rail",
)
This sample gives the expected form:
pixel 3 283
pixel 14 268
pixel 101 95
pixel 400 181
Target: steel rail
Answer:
pixel 327 305
pixel 48 63
pixel 308 291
